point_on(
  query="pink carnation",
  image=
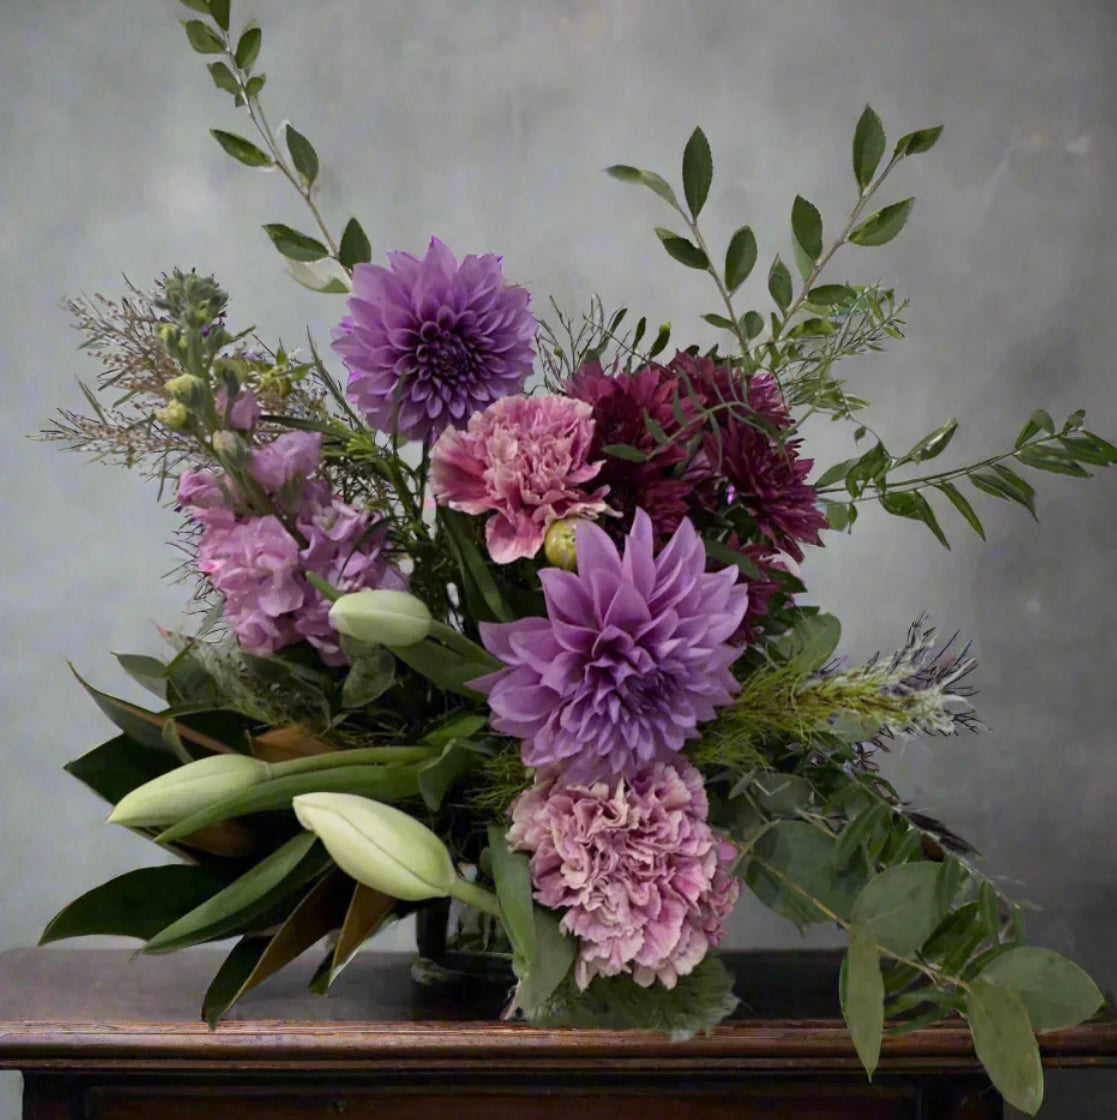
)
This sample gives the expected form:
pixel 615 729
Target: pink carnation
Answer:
pixel 643 880
pixel 524 460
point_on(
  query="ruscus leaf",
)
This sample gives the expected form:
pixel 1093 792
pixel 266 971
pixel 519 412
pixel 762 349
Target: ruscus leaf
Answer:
pixel 303 155
pixel 202 37
pixel 219 9
pixel 868 146
pixel 224 78
pixel 884 225
pixel 241 149
pixel 698 171
pixel 297 246
pixel 649 179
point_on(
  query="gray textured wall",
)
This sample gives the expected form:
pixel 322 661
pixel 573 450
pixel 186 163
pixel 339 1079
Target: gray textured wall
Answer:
pixel 487 122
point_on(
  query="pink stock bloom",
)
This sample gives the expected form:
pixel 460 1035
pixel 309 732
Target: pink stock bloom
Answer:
pixel 245 413
pixel 644 882
pixel 290 456
pixel 525 461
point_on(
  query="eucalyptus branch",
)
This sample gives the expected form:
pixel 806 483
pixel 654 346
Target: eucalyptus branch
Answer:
pixel 723 291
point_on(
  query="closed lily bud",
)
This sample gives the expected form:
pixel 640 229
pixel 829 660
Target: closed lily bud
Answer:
pixel 382 617
pixel 378 845
pixel 179 793
pixel 559 545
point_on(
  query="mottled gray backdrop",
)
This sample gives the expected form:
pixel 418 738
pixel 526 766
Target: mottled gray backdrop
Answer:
pixel 487 122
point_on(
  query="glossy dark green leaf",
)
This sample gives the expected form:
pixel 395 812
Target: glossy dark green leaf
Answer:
pixel 900 907
pixel 779 284
pixel 959 502
pixel 240 149
pixel 868 146
pixel 682 250
pixel 922 140
pixel 884 225
pixel 303 155
pixel 202 37
pixel 698 171
pixel 117 767
pixel 295 245
pixel 138 723
pixel 649 179
pixel 136 904
pixel 1039 421
pixel 390 782
pixel 354 247
pixel 806 227
pixel 1005 1045
pixel 740 258
pixel 862 997
pixel 913 505
pixel 233 909
pixel 219 9
pixel 1056 992
pixel 224 78
pixel 248 47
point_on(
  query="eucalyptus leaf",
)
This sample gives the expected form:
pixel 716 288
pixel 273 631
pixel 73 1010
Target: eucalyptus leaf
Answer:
pixel 295 245
pixel 862 993
pixel 868 146
pixel 303 155
pixel 241 149
pixel 1056 992
pixel 900 907
pixel 698 171
pixel 1005 1045
pixel 884 225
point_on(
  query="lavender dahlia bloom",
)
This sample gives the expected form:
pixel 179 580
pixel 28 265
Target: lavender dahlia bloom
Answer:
pixel 644 882
pixel 634 653
pixel 428 343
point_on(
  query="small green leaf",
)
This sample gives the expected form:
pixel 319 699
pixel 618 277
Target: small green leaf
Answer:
pixel 325 275
pixel 254 85
pixel 837 515
pixel 884 225
pixel 1053 459
pixel 372 671
pixel 753 324
pixel 830 295
pixel 814 639
pixel 303 155
pixel 219 9
pixel 355 247
pixel 740 258
pixel 719 321
pixel 202 37
pixel 1089 448
pixel 1039 421
pixel 862 994
pixel 224 78
pixel 779 284
pixel 437 776
pixel 1075 420
pixel 833 474
pixel 1056 992
pixel 698 171
pixel 512 878
pixel 868 146
pixel 1000 487
pixel 136 904
pixel 149 672
pixel 648 179
pixel 806 227
pixel 684 251
pixel 912 504
pixel 625 452
pixel 932 445
pixel 248 47
pixel 922 140
pixel 659 343
pixel 241 149
pixel 1005 1045
pixel 197 6
pixel 900 907
pixel 959 502
pixel 297 246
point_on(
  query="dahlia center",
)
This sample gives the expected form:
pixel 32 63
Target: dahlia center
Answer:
pixel 445 356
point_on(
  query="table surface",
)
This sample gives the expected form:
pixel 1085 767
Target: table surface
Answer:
pixel 113 1009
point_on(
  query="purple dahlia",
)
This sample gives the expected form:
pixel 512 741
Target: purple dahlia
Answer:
pixel 429 342
pixel 634 653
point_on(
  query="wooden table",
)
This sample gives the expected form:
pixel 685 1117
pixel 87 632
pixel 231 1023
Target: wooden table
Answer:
pixel 100 1035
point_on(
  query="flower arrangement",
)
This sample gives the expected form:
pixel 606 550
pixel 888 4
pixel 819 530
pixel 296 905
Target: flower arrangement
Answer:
pixel 512 617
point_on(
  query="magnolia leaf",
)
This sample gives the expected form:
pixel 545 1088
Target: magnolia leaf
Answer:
pixel 241 149
pixel 202 37
pixel 698 171
pixel 806 227
pixel 884 225
pixel 779 284
pixel 248 47
pixel 136 904
pixel 1005 1045
pixel 281 744
pixel 254 894
pixel 1056 992
pixel 740 258
pixel 123 764
pixel 900 907
pixel 862 995
pixel 868 146
pixel 295 245
pixel 303 155
pixel 364 917
pixel 354 247
pixel 922 140
pixel 682 250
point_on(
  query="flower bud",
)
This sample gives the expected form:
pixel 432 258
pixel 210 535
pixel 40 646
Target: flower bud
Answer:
pixel 559 544
pixel 379 846
pixel 179 793
pixel 188 389
pixel 175 416
pixel 394 619
pixel 231 449
pixel 169 336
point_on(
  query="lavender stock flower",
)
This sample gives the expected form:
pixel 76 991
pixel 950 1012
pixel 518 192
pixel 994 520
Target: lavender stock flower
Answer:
pixel 428 343
pixel 633 655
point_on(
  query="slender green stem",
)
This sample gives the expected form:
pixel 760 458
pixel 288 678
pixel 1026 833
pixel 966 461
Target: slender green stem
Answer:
pixel 723 291
pixel 324 586
pixel 362 756
pixel 475 896
pixel 460 644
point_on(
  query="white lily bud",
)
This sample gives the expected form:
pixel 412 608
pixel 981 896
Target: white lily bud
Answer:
pixel 394 619
pixel 378 845
pixel 179 793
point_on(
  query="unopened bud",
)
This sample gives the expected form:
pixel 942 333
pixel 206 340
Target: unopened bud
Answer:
pixel 231 449
pixel 383 617
pixel 188 389
pixel 559 543
pixel 175 416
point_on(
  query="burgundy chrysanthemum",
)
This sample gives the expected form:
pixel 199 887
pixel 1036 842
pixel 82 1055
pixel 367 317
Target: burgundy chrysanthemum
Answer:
pixel 622 404
pixel 428 343
pixel 634 653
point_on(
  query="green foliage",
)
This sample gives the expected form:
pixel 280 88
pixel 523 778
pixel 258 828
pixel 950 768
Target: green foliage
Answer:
pixel 740 259
pixel 303 155
pixel 868 147
pixel 862 997
pixel 295 245
pixel 1005 1044
pixel 698 171
pixel 884 225
pixel 243 150
pixel 355 247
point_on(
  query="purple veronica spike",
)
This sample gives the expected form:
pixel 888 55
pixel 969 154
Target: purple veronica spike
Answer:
pixel 634 653
pixel 433 339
